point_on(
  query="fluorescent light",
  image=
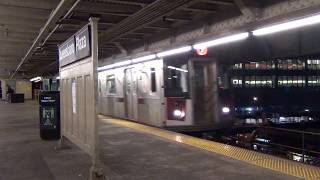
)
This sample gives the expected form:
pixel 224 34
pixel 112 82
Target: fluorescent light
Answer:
pixel 287 26
pixel 174 51
pixel 144 58
pixel 58 77
pixel 36 79
pixel 119 64
pixel 223 40
pixel 123 63
pixel 105 67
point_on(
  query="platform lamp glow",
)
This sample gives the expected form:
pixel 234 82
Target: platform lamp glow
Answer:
pixel 223 40
pixel 225 110
pixel 311 20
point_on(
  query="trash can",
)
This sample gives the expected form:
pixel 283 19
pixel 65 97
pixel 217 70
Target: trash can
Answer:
pixel 49 115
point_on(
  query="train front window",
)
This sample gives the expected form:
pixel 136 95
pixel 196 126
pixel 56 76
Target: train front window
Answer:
pixel 177 80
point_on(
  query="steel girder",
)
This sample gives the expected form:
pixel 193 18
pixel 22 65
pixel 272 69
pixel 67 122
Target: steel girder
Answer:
pixel 279 12
pixel 63 6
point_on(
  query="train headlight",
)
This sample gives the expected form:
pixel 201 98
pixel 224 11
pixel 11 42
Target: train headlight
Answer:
pixel 178 113
pixel 225 110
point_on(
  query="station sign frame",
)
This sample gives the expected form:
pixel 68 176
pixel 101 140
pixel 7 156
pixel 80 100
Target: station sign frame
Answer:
pixel 76 48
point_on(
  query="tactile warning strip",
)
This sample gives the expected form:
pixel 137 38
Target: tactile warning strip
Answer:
pixel 259 159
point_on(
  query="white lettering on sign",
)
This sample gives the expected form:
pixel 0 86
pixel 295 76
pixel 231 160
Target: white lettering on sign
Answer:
pixel 80 42
pixel 48 101
pixel 68 51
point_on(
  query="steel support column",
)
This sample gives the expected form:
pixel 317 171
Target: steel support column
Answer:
pixel 96 172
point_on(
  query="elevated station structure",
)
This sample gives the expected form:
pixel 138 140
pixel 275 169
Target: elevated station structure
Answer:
pixel 128 27
pixel 127 32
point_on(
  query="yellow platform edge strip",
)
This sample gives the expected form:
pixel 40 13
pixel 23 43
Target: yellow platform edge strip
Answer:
pixel 252 157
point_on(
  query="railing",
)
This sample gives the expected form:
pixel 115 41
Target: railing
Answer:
pixel 298 143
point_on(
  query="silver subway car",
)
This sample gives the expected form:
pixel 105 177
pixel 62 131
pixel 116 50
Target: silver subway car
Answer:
pixel 179 93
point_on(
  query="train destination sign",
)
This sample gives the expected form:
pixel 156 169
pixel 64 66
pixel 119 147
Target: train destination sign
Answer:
pixel 76 47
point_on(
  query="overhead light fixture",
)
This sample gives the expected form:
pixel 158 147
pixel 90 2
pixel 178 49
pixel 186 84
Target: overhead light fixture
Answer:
pixel 118 64
pixel 105 67
pixel 58 77
pixel 36 79
pixel 287 25
pixel 144 58
pixel 174 51
pixel 122 63
pixel 223 40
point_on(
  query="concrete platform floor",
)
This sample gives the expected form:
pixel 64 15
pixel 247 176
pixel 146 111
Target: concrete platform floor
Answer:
pixel 126 155
pixel 23 155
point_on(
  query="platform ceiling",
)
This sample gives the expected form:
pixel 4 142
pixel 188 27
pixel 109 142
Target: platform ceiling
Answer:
pixel 124 26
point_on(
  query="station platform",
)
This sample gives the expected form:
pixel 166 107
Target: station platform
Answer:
pixel 24 156
pixel 130 151
pixel 143 152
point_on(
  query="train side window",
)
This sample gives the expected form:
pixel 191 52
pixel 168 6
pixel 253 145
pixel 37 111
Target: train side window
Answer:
pixel 111 84
pixel 153 80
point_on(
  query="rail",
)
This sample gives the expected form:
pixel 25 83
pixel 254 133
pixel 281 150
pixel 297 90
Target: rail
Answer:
pixel 302 144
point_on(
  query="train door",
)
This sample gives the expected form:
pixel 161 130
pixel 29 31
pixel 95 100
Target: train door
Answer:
pixel 204 91
pixel 130 95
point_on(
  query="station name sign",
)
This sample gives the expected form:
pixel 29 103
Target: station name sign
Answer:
pixel 76 47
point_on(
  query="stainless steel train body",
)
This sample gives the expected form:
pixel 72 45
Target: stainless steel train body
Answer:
pixel 177 93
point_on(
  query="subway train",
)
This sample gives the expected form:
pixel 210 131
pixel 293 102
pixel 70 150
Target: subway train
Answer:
pixel 178 93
